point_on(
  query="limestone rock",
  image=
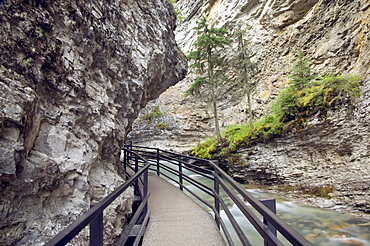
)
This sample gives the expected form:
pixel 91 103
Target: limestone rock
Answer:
pixel 335 37
pixel 73 77
pixel 330 152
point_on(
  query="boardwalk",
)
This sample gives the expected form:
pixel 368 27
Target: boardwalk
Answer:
pixel 177 220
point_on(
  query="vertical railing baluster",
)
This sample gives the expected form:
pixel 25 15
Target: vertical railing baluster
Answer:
pixel 146 190
pixel 270 204
pixel 137 190
pixel 96 230
pixel 129 152
pixel 180 174
pixel 125 159
pixel 216 188
pixel 158 171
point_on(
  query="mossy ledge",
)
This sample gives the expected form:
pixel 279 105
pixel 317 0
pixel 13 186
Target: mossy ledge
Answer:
pixel 289 112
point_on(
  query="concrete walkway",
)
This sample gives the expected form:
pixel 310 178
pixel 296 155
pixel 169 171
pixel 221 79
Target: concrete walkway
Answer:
pixel 177 220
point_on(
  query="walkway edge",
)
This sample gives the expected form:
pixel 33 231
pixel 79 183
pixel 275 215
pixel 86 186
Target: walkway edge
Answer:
pixel 176 219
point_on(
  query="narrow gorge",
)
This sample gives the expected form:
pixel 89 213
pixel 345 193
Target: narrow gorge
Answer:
pixel 78 79
pixel 332 152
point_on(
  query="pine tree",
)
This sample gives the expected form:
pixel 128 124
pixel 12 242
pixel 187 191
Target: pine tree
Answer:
pixel 244 69
pixel 208 64
pixel 301 74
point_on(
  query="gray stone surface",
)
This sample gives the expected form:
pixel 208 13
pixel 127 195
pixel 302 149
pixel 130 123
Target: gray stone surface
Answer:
pixel 176 219
pixel 73 76
pixel 331 151
pixel 335 149
pixel 334 35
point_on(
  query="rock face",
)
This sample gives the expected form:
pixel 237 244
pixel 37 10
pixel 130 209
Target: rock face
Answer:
pixel 335 38
pixel 73 77
pixel 330 152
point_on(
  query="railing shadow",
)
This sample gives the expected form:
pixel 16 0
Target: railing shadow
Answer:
pixel 133 232
pixel 139 160
pixel 172 166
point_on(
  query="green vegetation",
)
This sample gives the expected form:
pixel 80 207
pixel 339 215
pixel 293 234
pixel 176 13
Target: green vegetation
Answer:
pixel 177 11
pixel 301 74
pixel 161 126
pixel 319 191
pixel 152 114
pixel 27 61
pixel 244 70
pixel 208 65
pixel 295 104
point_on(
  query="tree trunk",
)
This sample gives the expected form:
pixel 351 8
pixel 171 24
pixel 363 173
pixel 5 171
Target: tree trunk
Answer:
pixel 213 83
pixel 217 125
pixel 250 114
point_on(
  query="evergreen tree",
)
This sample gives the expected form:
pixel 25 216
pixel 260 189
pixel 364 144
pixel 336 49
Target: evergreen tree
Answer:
pixel 208 65
pixel 244 69
pixel 301 74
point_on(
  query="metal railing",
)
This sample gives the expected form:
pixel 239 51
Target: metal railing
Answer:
pixel 94 216
pixel 266 227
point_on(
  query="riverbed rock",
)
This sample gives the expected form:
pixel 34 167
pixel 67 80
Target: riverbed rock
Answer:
pixel 73 77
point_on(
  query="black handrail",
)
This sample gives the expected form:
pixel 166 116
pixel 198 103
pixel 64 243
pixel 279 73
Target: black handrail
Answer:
pixel 96 211
pixel 231 187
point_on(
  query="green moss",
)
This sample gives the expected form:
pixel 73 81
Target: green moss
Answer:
pixel 323 191
pixel 161 126
pixel 155 113
pixel 288 112
pixel 237 134
pixel 306 99
pixel 27 62
pixel 319 191
pixel 205 150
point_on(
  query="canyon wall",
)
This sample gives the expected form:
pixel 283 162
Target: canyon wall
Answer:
pixel 335 38
pixel 331 153
pixel 73 77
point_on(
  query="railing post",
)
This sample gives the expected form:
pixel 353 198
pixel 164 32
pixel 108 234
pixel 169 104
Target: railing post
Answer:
pixel 129 145
pixel 125 159
pixel 130 148
pixel 137 190
pixel 96 230
pixel 216 187
pixel 146 189
pixel 158 171
pixel 270 204
pixel 180 174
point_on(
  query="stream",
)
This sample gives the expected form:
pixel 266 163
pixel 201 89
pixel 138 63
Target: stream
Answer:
pixel 321 227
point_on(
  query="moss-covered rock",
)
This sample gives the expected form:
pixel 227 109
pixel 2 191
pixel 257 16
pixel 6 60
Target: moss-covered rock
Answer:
pixel 288 113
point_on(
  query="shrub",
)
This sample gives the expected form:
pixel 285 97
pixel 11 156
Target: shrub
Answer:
pixel 301 74
pixel 155 113
pixel 288 112
pixel 205 150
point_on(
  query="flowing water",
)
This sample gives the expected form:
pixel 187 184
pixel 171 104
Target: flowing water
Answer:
pixel 321 227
